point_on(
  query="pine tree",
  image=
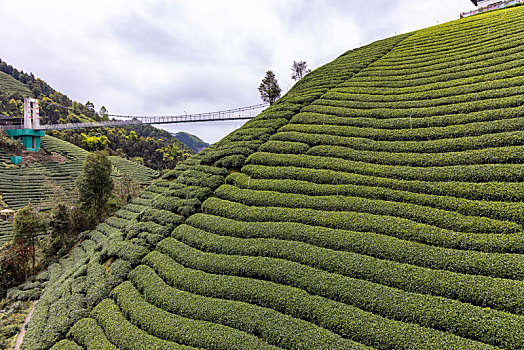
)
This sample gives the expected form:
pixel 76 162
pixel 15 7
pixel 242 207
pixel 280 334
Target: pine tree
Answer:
pixel 269 89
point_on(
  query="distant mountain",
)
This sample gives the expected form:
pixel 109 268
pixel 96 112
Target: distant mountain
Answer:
pixel 191 141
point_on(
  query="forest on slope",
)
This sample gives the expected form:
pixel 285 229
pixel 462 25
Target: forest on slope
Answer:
pixel 377 205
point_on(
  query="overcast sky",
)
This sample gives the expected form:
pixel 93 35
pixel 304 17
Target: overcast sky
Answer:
pixel 172 57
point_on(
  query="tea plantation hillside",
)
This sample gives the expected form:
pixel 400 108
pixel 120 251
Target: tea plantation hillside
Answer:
pixel 34 182
pixel 39 182
pixel 377 205
pixel 10 85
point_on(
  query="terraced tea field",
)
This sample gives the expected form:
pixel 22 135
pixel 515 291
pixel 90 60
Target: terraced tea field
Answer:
pixel 37 182
pixel 10 85
pixel 34 182
pixel 377 205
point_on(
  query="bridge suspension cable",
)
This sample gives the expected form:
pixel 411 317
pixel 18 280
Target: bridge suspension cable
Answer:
pixel 223 112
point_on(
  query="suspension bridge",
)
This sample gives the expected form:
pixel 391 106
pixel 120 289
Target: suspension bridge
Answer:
pixel 29 130
pixel 31 119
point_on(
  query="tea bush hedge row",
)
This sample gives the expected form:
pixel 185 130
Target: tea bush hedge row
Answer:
pixel 445 314
pixel 509 266
pixel 266 296
pixel 89 334
pixel 493 191
pixel 483 55
pixel 408 134
pixel 454 77
pixel 496 155
pixel 367 95
pixel 66 345
pixel 418 112
pixel 284 147
pixel 507 49
pixel 467 173
pixel 482 291
pixel 364 222
pixel 436 217
pixel 124 334
pixel 183 330
pixel 342 100
pixel 497 210
pixel 512 138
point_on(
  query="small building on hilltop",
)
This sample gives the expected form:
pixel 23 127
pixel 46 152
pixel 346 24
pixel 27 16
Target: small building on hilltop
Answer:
pixel 484 3
pixel 487 5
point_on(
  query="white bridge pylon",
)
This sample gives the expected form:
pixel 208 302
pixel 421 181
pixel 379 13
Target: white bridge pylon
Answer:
pixel 31 114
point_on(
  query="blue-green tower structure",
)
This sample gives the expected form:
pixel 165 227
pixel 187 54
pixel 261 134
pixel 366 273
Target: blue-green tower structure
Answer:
pixel 30 137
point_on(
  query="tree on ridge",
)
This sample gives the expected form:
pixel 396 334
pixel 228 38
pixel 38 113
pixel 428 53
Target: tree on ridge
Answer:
pixel 269 89
pixel 299 69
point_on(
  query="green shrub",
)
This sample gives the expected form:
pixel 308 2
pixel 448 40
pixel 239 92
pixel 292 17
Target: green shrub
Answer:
pixel 436 217
pixel 468 173
pixel 492 191
pixel 89 334
pixel 497 210
pixel 381 224
pixel 482 291
pixel 124 334
pixel 173 327
pixel 66 344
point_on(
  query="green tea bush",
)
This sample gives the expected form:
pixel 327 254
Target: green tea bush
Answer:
pixel 499 328
pixel 492 191
pixel 172 327
pixel 124 334
pixel 423 214
pixel 363 222
pixel 497 210
pixel 509 266
pixel 89 334
pixel 346 320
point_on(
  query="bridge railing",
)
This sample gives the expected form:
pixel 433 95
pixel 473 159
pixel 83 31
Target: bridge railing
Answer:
pixel 102 124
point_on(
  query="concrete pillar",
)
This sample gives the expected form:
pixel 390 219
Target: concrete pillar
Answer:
pixel 27 114
pixel 36 115
pixel 31 114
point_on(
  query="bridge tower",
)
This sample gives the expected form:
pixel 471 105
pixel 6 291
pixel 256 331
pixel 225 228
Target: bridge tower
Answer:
pixel 28 135
pixel 31 114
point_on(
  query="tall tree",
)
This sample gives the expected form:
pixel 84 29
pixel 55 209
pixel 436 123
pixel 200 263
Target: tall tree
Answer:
pixel 299 69
pixel 104 113
pixel 60 225
pixel 28 225
pixel 269 89
pixel 95 185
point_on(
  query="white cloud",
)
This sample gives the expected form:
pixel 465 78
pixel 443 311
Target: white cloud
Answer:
pixel 167 57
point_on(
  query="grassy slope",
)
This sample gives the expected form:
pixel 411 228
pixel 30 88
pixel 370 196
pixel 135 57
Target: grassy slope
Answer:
pixel 10 85
pixel 379 205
